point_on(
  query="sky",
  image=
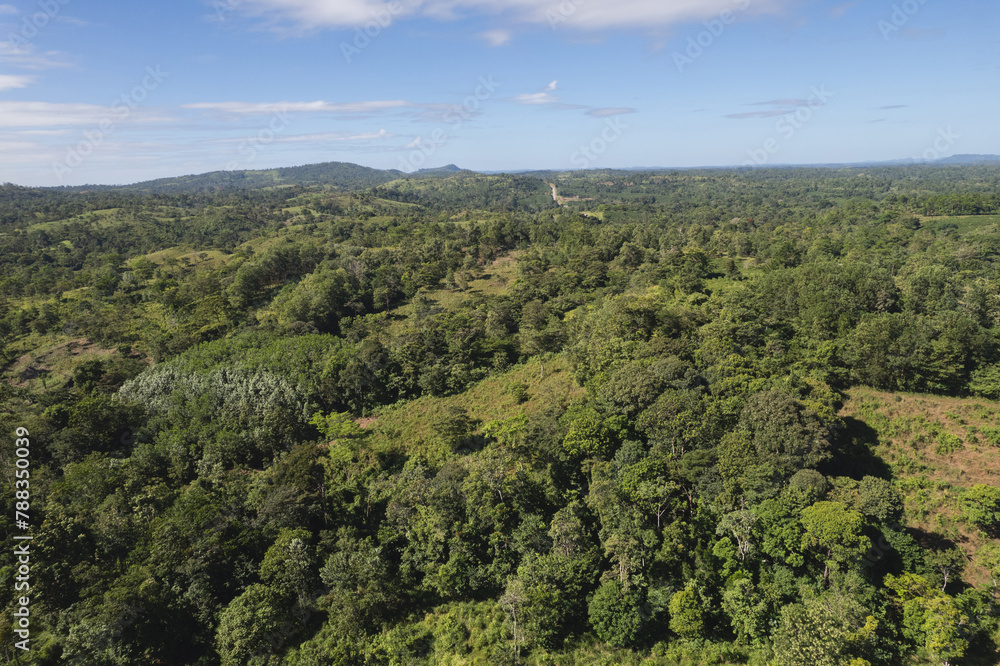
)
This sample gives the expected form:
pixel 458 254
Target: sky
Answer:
pixel 116 91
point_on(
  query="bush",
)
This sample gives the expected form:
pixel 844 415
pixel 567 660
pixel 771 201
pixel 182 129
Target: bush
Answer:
pixel 947 444
pixel 981 506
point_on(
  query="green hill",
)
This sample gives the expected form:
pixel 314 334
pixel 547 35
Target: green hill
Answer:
pixel 342 176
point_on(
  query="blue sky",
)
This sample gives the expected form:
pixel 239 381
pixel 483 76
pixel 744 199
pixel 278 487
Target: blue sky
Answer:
pixel 117 92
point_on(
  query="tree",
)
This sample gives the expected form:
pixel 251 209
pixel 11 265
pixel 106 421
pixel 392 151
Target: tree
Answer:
pixel 513 601
pixel 589 434
pixel 288 567
pixel 143 268
pixel 832 630
pixel 779 532
pixel 339 426
pixel 835 531
pixel 615 614
pixel 786 436
pixel 628 388
pixel 554 588
pixel 747 610
pixel 807 486
pixel 740 525
pixel 360 586
pixel 451 427
pixel 931 619
pixel 947 564
pixel 249 627
pixel 318 299
pixel 988 557
pixel 880 500
pixel 568 530
pixel 880 350
pixel 687 619
pixel 648 487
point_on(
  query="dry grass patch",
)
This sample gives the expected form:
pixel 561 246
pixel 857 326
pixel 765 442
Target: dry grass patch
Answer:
pixel 937 447
pixel 187 257
pixel 51 365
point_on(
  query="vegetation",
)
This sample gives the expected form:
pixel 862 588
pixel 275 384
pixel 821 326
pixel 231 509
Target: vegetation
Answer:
pixel 334 415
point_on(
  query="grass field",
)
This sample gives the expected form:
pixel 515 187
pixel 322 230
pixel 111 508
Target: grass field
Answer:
pixel 490 399
pixel 936 447
pixel 493 280
pixel 103 220
pixel 190 258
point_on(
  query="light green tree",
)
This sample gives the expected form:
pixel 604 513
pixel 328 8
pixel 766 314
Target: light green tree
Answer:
pixel 834 532
pixel 989 557
pixel 337 425
pixel 981 506
pixel 249 627
pixel 288 566
pixel 687 618
pixel 931 619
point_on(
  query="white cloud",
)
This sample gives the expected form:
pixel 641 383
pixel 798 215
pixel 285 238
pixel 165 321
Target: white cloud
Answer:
pixel 545 97
pixel 72 20
pixel 47 114
pixel 336 136
pixel 306 16
pixel 8 9
pixel 8 147
pixel 265 108
pixel 496 37
pixel 24 56
pixel 582 14
pixel 421 111
pixel 10 81
pixel 540 98
pixel 536 99
pixel 57 132
pixel 610 111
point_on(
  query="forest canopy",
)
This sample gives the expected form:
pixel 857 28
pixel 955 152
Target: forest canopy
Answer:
pixel 336 415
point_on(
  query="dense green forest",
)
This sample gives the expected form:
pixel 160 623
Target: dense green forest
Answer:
pixel 335 415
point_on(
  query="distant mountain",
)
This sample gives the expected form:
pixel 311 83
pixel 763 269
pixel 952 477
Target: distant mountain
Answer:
pixel 339 175
pixel 447 170
pixel 969 159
